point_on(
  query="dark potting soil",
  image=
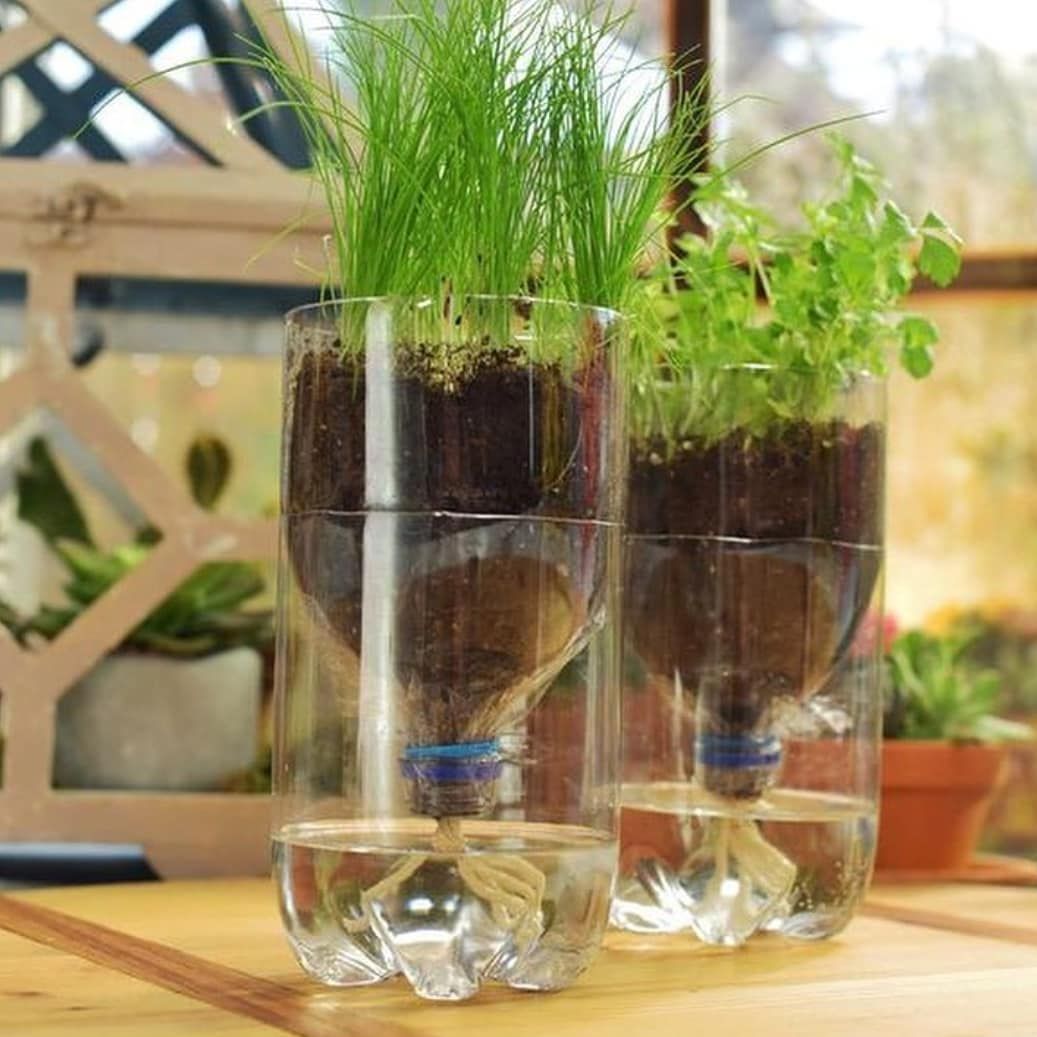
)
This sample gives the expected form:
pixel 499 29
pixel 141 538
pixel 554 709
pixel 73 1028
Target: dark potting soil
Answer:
pixel 496 443
pixel 750 565
pixel 801 480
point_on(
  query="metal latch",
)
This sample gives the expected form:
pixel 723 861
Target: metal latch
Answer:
pixel 63 219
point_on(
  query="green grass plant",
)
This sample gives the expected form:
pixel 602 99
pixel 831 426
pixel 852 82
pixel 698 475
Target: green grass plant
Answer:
pixel 476 151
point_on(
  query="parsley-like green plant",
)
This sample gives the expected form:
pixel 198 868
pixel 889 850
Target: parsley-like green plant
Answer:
pixel 811 308
pixel 934 692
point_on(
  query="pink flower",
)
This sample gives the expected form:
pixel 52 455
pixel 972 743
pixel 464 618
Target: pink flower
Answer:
pixel 874 632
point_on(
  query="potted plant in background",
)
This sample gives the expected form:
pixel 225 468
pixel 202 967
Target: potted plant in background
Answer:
pixel 754 557
pixel 943 755
pixel 1002 636
pixel 177 705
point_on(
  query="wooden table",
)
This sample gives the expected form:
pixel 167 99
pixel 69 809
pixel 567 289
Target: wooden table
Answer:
pixel 208 958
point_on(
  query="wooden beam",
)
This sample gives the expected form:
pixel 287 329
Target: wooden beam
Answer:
pixel 160 195
pixel 987 271
pixel 128 65
pixel 22 42
pixel 242 256
pixel 252 540
pixel 28 740
pixel 690 26
pixel 189 254
pixel 272 21
pixel 183 834
pixel 49 318
pixel 17 399
pixel 100 628
pixel 163 501
pixel 16 669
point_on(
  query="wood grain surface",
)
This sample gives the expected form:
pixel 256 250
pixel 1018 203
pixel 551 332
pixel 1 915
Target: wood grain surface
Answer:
pixel 1000 913
pixel 217 985
pixel 45 992
pixel 209 957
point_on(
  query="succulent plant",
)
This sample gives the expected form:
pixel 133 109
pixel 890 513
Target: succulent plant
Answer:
pixel 204 615
pixel 934 692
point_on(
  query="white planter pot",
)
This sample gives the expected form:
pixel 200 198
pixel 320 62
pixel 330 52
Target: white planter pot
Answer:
pixel 152 722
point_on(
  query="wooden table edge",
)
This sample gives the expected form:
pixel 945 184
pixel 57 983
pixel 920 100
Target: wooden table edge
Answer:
pixel 200 979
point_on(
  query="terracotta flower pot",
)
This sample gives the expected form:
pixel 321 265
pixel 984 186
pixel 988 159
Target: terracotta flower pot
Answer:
pixel 821 764
pixel 935 798
pixel 653 737
pixel 649 834
pixel 1012 824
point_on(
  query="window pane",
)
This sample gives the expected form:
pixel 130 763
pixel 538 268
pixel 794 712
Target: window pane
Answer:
pixel 12 320
pixel 963 517
pixel 963 466
pixel 646 28
pixel 176 360
pixel 956 82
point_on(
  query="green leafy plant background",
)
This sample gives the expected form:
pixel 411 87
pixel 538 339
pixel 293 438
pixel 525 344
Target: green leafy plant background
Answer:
pixel 204 615
pixel 809 309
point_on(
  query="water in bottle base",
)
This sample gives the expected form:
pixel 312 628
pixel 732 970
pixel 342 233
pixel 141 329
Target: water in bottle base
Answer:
pixel 792 862
pixel 524 904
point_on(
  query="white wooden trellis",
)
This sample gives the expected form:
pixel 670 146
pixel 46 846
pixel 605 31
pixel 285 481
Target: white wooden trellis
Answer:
pixel 59 223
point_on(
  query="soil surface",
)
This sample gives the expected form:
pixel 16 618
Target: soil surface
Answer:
pixel 823 481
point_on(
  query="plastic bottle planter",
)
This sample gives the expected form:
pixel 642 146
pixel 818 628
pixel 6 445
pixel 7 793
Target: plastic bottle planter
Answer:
pixel 751 701
pixel 451 495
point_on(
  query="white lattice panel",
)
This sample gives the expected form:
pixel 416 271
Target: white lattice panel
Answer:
pixel 58 223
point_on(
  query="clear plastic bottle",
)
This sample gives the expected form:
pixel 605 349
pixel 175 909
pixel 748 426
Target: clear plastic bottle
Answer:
pixel 752 638
pixel 445 773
